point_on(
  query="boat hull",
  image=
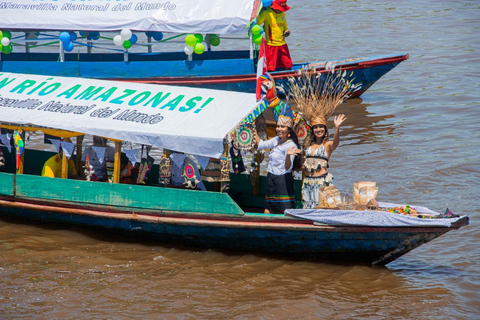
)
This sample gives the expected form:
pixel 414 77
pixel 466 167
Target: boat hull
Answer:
pixel 253 233
pixel 226 70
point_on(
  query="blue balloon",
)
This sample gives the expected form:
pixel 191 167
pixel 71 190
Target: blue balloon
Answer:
pixel 158 36
pixel 73 36
pixel 68 47
pixel 133 39
pixel 267 3
pixel 95 37
pixel 150 34
pixel 82 33
pixel 64 37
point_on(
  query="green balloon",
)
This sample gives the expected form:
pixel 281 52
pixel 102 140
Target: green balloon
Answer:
pixel 1 47
pixel 1 34
pixel 257 39
pixel 190 40
pixel 7 49
pixel 256 29
pixel 214 41
pixel 127 44
pixel 199 48
pixel 199 37
pixel 7 34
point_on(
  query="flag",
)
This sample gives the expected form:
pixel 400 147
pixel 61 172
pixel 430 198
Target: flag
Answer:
pixel 261 69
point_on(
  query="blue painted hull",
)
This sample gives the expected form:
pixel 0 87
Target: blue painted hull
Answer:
pixel 224 70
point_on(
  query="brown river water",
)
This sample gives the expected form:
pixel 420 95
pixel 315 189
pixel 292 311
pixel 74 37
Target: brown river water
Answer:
pixel 415 133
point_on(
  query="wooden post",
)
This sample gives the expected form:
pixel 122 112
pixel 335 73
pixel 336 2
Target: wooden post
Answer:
pixel 64 166
pixel 78 157
pixel 225 169
pixel 256 188
pixel 116 164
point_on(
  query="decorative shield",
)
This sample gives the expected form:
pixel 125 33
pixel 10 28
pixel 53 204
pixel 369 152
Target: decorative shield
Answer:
pixel 244 138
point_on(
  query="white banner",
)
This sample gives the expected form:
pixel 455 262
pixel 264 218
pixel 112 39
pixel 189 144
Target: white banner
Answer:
pixel 179 16
pixel 182 119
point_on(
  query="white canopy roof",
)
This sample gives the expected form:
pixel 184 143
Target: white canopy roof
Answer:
pixel 182 119
pixel 179 16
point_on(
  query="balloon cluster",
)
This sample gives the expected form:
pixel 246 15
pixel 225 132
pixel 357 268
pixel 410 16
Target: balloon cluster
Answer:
pixel 67 39
pixel 214 40
pixel 5 45
pixel 194 44
pixel 257 32
pixel 126 38
pixel 267 3
pixel 157 36
pixel 91 35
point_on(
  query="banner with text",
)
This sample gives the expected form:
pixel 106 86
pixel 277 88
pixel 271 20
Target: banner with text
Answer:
pixel 182 119
pixel 179 16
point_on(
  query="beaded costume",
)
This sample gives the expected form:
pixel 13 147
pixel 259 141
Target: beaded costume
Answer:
pixel 311 184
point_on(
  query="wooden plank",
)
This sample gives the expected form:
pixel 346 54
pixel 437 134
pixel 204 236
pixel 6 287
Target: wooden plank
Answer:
pixel 6 184
pixel 123 195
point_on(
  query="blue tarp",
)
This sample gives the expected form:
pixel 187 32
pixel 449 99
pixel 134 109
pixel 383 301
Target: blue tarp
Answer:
pixel 333 217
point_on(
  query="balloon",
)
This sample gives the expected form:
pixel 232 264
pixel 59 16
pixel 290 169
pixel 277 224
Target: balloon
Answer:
pixel 94 37
pixel 1 34
pixel 1 47
pixel 5 42
pixel 199 37
pixel 199 48
pixel 133 39
pixel 126 34
pixel 158 36
pixel 214 40
pixel 118 40
pixel 267 3
pixel 82 33
pixel 64 37
pixel 68 47
pixel 73 36
pixel 149 33
pixel 7 49
pixel 190 40
pixel 188 50
pixel 7 34
pixel 127 44
pixel 257 39
pixel 256 29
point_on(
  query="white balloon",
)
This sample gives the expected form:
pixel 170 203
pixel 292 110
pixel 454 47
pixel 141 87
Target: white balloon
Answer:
pixel 188 50
pixel 126 34
pixel 5 41
pixel 118 40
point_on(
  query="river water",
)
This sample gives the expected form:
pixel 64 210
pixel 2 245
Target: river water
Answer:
pixel 415 133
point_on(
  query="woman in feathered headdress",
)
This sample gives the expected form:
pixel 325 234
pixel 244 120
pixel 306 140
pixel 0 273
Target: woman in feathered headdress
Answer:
pixel 280 191
pixel 316 98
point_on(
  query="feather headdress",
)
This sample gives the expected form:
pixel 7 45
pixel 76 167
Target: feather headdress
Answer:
pixel 284 113
pixel 317 95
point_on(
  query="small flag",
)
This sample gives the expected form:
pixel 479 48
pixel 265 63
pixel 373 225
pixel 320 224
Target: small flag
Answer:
pixel 132 155
pixel 261 69
pixel 67 148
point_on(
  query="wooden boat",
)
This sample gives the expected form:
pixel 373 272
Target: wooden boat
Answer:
pixel 208 219
pixel 233 70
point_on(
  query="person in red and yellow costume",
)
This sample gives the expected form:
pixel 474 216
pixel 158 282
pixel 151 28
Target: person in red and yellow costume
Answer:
pixel 276 29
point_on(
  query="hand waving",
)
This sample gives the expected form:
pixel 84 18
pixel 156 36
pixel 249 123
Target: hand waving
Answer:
pixel 338 119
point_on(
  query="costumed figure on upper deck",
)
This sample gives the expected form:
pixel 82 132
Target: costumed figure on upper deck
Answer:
pixel 276 30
